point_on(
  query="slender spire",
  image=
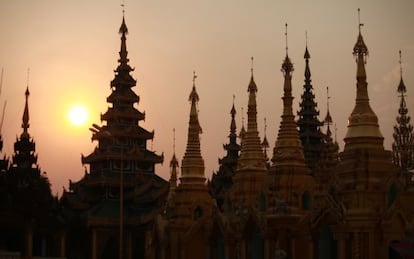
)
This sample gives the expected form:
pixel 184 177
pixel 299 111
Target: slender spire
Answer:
pixel 251 163
pixel 363 128
pixel 288 150
pixel 123 60
pixel 403 145
pixel 25 123
pixel 242 130
pixel 265 142
pixel 328 119
pixel 308 122
pixel 401 87
pixel 192 165
pixel 24 147
pixel 173 165
pixel 287 66
pixel 233 121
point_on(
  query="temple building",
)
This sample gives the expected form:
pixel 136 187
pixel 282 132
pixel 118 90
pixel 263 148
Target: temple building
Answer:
pixel 184 231
pixel 307 200
pixel 308 122
pixel 29 220
pixel 222 180
pixel 403 145
pixel 111 207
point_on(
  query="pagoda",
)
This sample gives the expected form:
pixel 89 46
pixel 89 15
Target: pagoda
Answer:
pixel 403 146
pixel 309 125
pixel 184 232
pixel 120 196
pixel 290 184
pixel 222 181
pixel 328 155
pixel 366 179
pixel 251 165
pixel 27 217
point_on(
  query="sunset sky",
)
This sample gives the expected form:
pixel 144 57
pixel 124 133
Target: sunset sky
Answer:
pixel 71 48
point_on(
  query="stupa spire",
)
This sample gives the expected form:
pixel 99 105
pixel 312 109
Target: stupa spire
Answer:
pixel 251 163
pixel 25 119
pixel 308 122
pixel 192 165
pixel 363 128
pixel 328 118
pixel 403 145
pixel 288 148
pixel 173 165
pixel 24 147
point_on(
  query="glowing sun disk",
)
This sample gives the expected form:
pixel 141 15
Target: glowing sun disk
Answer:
pixel 77 115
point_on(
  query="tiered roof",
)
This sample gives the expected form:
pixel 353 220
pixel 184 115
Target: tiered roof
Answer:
pixel 222 181
pixel 121 157
pixel 308 122
pixel 403 146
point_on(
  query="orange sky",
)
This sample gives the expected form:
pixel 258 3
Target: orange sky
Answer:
pixel 71 47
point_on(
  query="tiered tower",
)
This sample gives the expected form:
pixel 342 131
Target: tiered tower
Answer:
pixel 193 205
pixel 222 181
pixel 291 179
pixel 308 122
pixel 328 156
pixel 121 187
pixel 251 166
pixel 364 175
pixel 27 214
pixel 403 146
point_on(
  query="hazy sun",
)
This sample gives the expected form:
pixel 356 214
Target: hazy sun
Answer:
pixel 77 115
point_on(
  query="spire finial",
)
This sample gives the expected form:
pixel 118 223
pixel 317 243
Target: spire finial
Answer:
pixel 194 77
pixel 287 66
pixel 398 62
pixel 123 8
pixel 252 64
pixel 174 140
pixel 306 38
pixel 328 97
pixel 265 126
pixel 28 76
pixel 359 20
pixel 286 37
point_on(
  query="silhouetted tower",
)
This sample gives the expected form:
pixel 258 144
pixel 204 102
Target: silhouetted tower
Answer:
pixel 403 145
pixel 29 196
pixel 173 182
pixel 328 152
pixel 122 175
pixel 308 122
pixel 251 166
pixel 363 174
pixel 223 179
pixel 289 171
pixel 265 144
pixel 24 148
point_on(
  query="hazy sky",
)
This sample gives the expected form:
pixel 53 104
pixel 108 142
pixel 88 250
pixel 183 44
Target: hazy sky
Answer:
pixel 71 48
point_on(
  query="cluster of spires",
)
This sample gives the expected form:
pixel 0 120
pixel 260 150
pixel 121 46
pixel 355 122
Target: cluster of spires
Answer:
pixel 403 131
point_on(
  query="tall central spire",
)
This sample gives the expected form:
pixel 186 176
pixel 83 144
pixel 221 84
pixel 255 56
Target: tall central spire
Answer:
pixel 251 166
pixel 192 165
pixel 308 122
pixel 363 128
pixel 288 149
pixel 403 145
